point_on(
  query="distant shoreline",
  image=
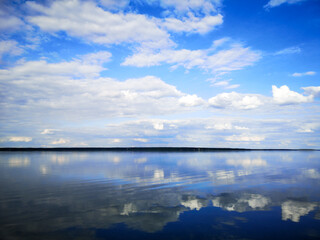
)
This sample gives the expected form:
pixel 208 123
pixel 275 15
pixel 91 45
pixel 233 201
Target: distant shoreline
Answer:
pixel 144 149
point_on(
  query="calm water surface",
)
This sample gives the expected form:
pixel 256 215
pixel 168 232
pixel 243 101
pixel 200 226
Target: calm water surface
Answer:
pixel 130 195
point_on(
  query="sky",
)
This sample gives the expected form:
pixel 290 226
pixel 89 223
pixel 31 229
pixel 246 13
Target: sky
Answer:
pixel 160 73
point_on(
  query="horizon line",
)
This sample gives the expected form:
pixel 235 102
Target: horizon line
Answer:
pixel 149 149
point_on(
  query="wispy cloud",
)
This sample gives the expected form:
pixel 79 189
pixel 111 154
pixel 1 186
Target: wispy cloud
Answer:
pixel 182 7
pixel 10 47
pixel 9 22
pixel 48 131
pixel 245 138
pixel 275 3
pixel 313 90
pixel 235 57
pixel 216 82
pixel 193 24
pixel 140 140
pixel 310 73
pixel 16 139
pixel 290 50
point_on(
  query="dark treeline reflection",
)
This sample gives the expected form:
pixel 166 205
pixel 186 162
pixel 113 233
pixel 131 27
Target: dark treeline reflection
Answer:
pixel 110 195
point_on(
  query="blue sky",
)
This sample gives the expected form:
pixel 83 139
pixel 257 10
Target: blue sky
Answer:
pixel 202 73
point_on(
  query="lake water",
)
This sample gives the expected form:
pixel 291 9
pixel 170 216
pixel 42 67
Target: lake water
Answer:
pixel 156 195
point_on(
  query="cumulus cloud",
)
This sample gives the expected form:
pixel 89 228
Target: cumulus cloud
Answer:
pixel 313 91
pixel 285 96
pixel 275 3
pixel 75 87
pixel 293 210
pixel 116 140
pixel 158 125
pixel 310 73
pixel 150 35
pixel 194 203
pixel 88 21
pixel 236 100
pixel 191 100
pixel 243 203
pixel 290 50
pixel 234 58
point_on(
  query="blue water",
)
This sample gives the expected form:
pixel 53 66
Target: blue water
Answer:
pixel 143 195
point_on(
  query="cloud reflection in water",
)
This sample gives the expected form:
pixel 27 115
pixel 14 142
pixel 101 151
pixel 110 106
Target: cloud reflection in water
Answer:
pixel 147 191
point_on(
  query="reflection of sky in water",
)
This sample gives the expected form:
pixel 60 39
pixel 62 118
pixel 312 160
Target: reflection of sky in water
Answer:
pixel 50 192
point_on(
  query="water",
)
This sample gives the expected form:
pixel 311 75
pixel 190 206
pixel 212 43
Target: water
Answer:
pixel 131 195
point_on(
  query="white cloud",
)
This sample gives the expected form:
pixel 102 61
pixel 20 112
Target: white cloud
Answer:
pixel 223 83
pixel 180 131
pixel 47 131
pixel 42 90
pixel 236 101
pixel 241 128
pixel 225 126
pixel 60 141
pixel 191 100
pixel 88 21
pixel 290 50
pixel 182 7
pixel 234 58
pixel 242 203
pixel 309 127
pixel 143 140
pixel 285 96
pixel 275 3
pixel 10 47
pixel 293 210
pixel 114 4
pixel 196 204
pixel 245 138
pixel 9 22
pixel 16 139
pixel 76 89
pixel 157 125
pixel 313 91
pixel 193 24
pixel 85 66
pixel 310 73
pixel 220 126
